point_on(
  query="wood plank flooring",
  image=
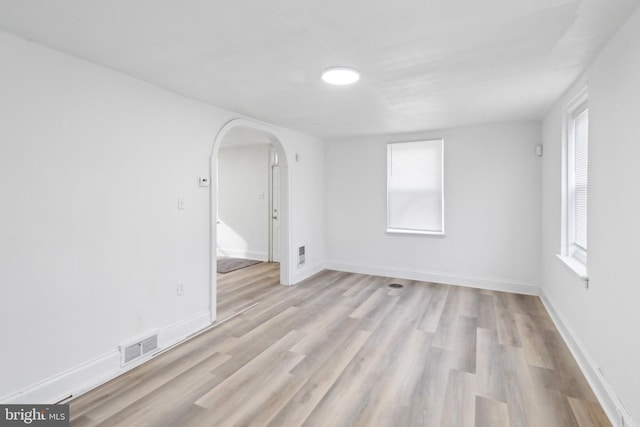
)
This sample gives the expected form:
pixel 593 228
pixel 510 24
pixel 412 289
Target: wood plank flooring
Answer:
pixel 344 349
pixel 240 289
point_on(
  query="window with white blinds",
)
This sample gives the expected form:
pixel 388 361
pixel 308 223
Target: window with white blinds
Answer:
pixel 577 182
pixel 415 199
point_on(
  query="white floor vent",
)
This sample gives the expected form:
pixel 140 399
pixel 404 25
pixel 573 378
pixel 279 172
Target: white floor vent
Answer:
pixel 137 349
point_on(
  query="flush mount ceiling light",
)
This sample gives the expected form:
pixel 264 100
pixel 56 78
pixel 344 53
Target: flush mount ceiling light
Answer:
pixel 340 75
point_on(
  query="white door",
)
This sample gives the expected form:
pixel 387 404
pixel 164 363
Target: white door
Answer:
pixel 275 214
pixel 275 210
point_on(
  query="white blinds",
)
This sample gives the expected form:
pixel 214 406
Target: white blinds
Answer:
pixel 581 142
pixel 415 202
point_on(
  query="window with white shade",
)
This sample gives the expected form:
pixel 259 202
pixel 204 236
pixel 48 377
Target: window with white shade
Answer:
pixel 575 194
pixel 578 153
pixel 415 198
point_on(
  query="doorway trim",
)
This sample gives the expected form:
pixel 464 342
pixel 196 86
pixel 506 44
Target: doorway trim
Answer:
pixel 285 204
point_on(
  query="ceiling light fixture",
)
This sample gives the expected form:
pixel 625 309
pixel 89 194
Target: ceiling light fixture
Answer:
pixel 340 75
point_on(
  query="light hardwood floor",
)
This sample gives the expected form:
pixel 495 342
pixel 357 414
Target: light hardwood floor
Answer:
pixel 346 350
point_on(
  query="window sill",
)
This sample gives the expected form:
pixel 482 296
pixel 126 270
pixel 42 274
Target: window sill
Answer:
pixel 414 232
pixel 576 266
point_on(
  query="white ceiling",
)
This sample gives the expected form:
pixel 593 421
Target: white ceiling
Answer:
pixel 425 64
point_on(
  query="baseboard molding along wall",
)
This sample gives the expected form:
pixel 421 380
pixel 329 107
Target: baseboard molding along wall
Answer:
pixel 445 278
pixel 234 253
pixel 93 373
pixel 305 272
pixel 617 413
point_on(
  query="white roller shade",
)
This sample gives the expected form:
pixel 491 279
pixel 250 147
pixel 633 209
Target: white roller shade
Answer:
pixel 415 202
pixel 581 160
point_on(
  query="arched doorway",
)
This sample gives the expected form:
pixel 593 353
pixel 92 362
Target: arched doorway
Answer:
pixel 283 214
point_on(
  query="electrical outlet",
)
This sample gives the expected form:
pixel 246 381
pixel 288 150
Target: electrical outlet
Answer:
pixel 180 289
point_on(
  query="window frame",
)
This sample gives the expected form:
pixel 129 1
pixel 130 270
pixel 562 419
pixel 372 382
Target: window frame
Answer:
pixel 573 254
pixel 574 249
pixel 414 231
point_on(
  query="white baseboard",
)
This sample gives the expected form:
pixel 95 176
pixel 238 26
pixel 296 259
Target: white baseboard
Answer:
pixel 618 415
pixel 234 253
pixel 303 273
pixel 65 384
pixel 437 277
pixel 93 373
pixel 181 329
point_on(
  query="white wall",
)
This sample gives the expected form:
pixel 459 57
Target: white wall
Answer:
pixel 603 319
pixel 492 213
pixel 243 201
pixel 92 244
pixel 308 188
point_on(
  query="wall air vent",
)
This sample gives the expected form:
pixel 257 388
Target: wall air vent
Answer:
pixel 149 344
pixel 137 349
pixel 131 352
